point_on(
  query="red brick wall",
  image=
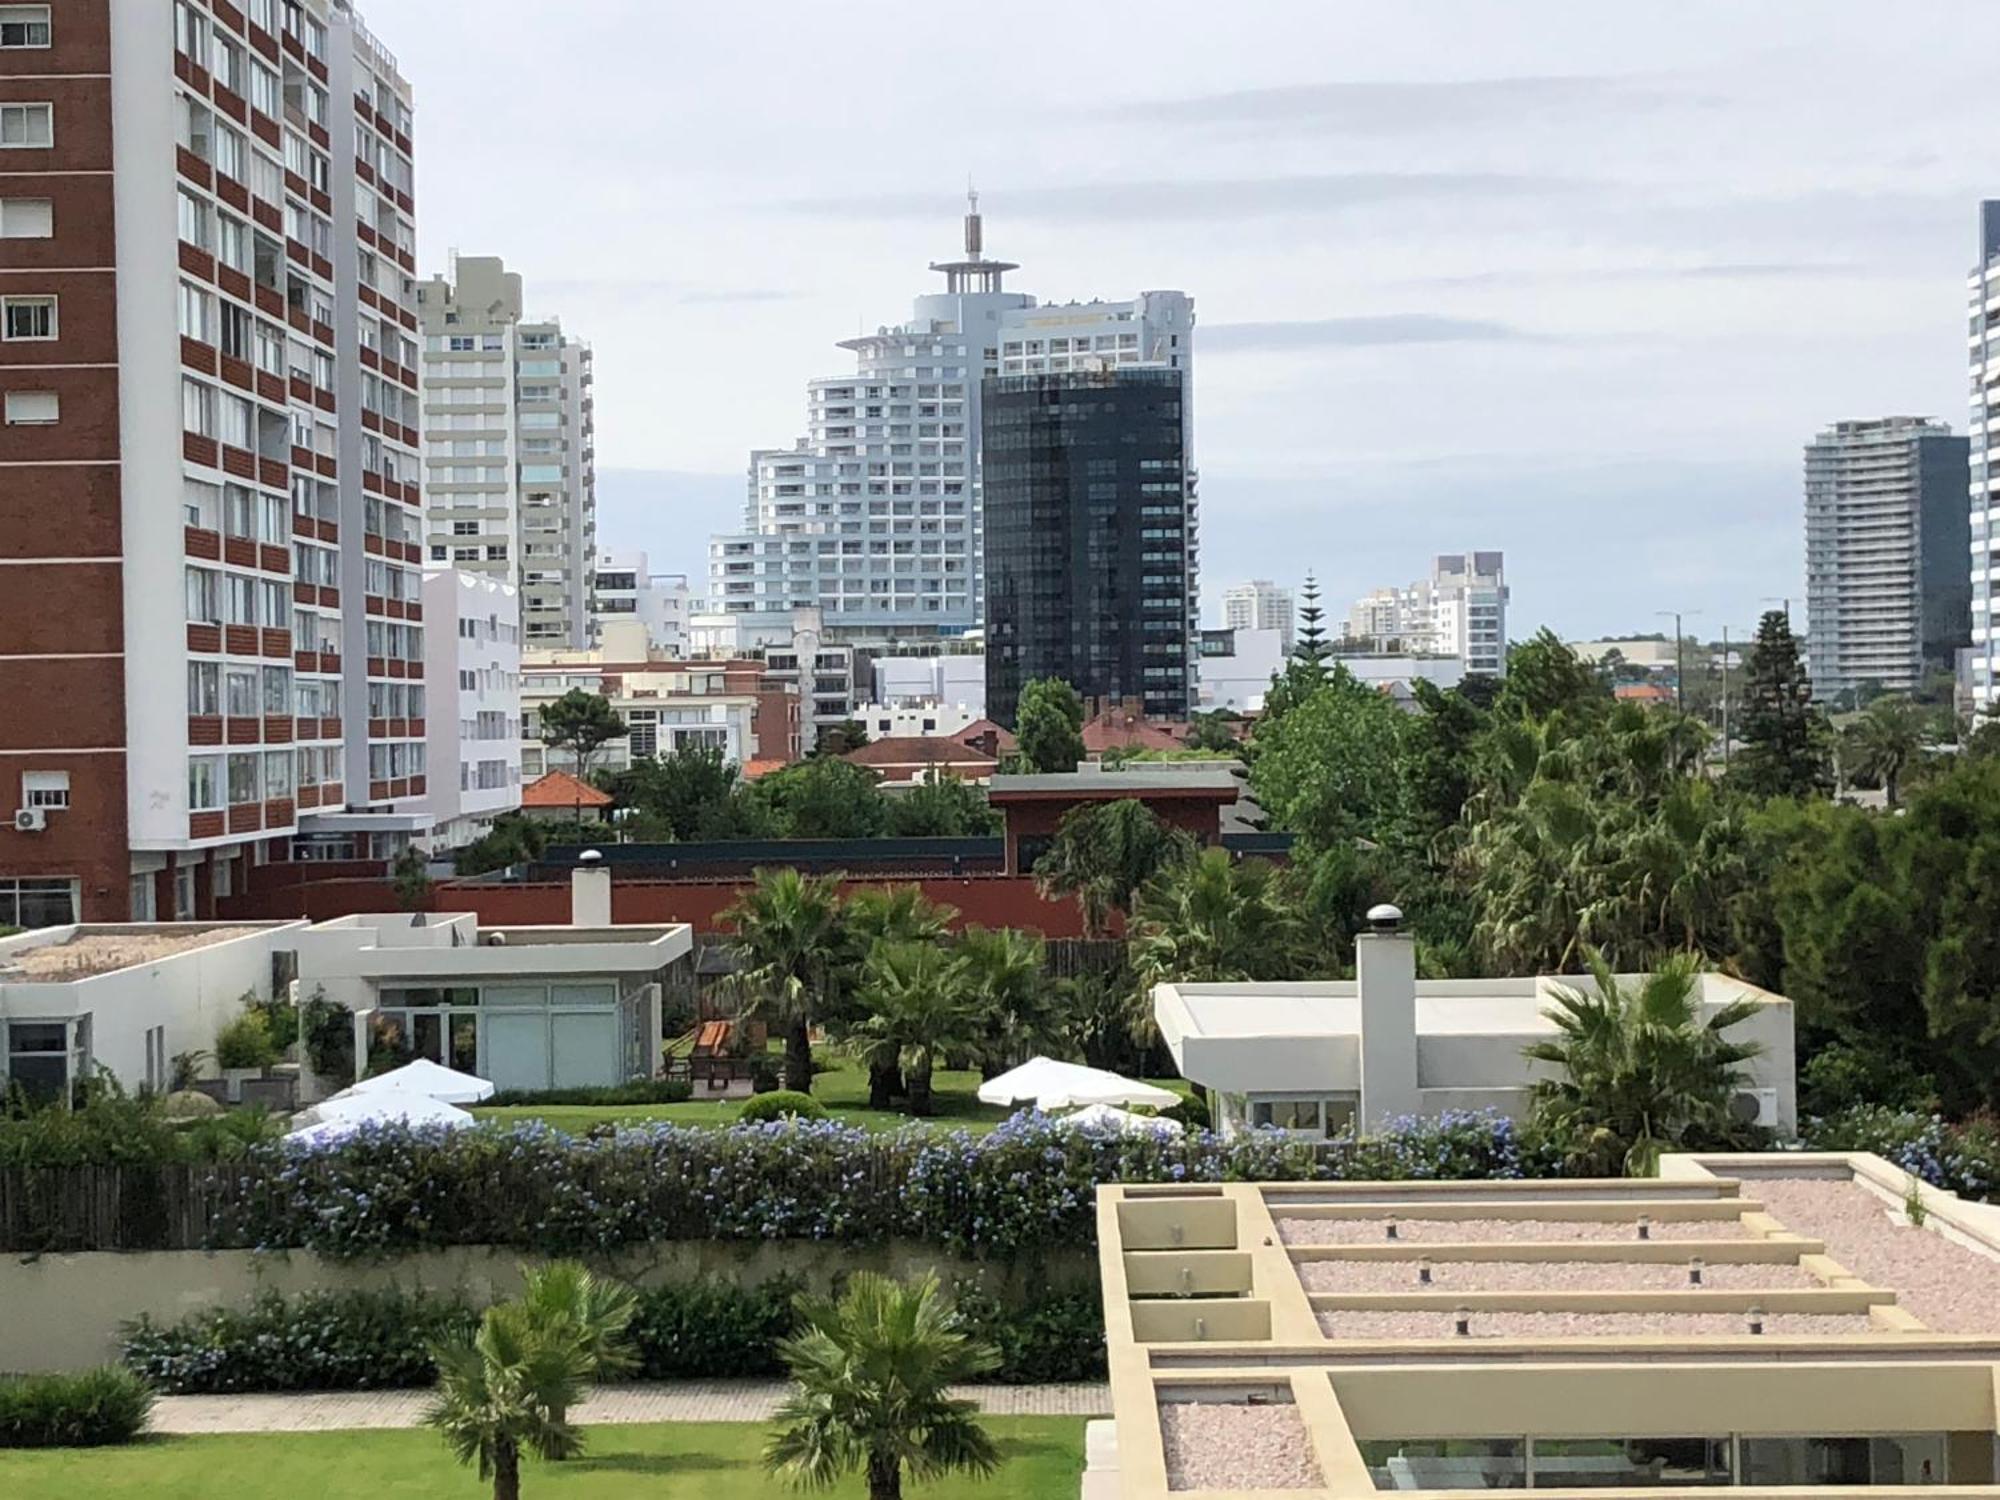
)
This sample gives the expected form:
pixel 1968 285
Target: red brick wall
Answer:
pixel 980 900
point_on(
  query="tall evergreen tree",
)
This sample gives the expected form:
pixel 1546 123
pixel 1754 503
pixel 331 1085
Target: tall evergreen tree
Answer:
pixel 1786 739
pixel 1312 646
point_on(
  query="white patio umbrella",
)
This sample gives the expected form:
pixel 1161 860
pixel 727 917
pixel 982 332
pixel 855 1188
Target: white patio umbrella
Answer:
pixel 1048 1084
pixel 433 1080
pixel 1110 1117
pixel 331 1119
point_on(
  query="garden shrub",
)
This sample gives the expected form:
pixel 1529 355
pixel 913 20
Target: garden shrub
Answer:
pixel 1055 1337
pixel 319 1341
pixel 765 1077
pixel 638 1091
pixel 109 1127
pixel 246 1042
pixel 1961 1158
pixel 713 1328
pixel 1192 1112
pixel 780 1104
pixel 86 1410
pixel 1028 1187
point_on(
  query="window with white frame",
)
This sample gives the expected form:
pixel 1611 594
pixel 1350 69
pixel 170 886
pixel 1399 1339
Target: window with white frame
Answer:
pixel 45 789
pixel 204 783
pixel 27 319
pixel 33 408
pixel 27 127
pixel 27 218
pixel 24 26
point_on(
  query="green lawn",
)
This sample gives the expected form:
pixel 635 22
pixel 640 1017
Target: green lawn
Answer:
pixel 670 1461
pixel 844 1092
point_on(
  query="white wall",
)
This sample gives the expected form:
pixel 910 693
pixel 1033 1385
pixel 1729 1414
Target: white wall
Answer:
pixel 917 680
pixel 193 995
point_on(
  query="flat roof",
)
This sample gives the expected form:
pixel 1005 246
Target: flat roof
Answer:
pixel 1331 1008
pixel 61 955
pixel 1123 782
pixel 1338 1338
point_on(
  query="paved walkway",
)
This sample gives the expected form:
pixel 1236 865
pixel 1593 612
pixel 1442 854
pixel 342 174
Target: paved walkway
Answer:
pixel 681 1401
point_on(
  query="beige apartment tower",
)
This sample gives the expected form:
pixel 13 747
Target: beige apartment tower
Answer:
pixel 510 447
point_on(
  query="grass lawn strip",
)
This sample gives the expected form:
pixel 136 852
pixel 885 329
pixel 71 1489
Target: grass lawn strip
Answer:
pixel 668 1461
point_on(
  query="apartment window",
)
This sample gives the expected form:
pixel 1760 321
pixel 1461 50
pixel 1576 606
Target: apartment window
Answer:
pixel 229 153
pixel 240 594
pixel 278 690
pixel 190 31
pixel 27 218
pixel 33 408
pixel 242 779
pixel 195 314
pixel 45 789
pixel 204 688
pixel 204 596
pixel 235 424
pixel 240 692
pixel 26 127
pixel 28 319
pixel 204 783
pixel 36 903
pixel 24 26
pixel 266 93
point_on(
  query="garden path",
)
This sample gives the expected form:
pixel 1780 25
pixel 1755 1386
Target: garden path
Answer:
pixel 678 1401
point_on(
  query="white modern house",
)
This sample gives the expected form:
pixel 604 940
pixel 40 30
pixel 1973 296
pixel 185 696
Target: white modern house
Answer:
pixel 526 1007
pixel 1317 1057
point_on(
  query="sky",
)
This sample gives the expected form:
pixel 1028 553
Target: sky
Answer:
pixel 1573 280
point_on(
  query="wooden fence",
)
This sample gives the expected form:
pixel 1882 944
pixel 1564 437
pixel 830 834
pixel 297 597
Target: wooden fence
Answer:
pixel 130 1207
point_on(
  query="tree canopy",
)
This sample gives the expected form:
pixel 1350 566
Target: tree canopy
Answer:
pixel 1048 726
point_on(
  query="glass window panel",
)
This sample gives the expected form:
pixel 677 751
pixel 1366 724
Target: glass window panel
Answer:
pixel 1446 1463
pixel 1622 1463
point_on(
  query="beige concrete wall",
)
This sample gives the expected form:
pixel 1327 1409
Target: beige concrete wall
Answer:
pixel 62 1312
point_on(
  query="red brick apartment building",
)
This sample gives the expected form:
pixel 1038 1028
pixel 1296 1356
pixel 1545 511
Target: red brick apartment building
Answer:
pixel 211 637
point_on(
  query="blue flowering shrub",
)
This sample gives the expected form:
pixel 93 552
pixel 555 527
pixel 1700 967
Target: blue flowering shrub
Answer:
pixel 1026 1188
pixel 1962 1158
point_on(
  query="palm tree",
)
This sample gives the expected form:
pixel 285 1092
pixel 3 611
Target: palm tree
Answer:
pixel 565 1300
pixel 1004 971
pixel 919 1004
pixel 870 1375
pixel 1884 742
pixel 505 1390
pixel 1641 1071
pixel 1214 921
pixel 879 914
pixel 790 944
pixel 1102 854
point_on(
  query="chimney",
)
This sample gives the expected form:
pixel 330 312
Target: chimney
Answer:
pixel 1385 969
pixel 590 891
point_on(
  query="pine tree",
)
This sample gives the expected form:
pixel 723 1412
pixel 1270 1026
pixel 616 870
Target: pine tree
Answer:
pixel 1312 646
pixel 1786 739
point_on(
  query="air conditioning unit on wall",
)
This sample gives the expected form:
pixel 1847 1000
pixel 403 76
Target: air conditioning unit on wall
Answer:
pixel 1755 1107
pixel 30 819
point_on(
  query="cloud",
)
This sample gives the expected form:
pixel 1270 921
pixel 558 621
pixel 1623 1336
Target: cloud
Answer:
pixel 1389 107
pixel 744 294
pixel 1358 333
pixel 655 289
pixel 1216 198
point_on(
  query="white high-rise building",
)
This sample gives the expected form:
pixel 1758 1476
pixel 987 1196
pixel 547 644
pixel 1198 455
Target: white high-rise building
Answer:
pixel 509 447
pixel 624 588
pixel 1460 610
pixel 473 671
pixel 1886 529
pixel 1984 291
pixel 1259 605
pixel 874 517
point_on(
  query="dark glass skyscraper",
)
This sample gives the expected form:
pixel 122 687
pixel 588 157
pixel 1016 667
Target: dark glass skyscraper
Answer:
pixel 1087 537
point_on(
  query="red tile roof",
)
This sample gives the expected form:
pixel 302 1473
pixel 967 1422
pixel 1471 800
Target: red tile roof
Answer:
pixel 979 728
pixel 919 750
pixel 560 789
pixel 1115 727
pixel 753 769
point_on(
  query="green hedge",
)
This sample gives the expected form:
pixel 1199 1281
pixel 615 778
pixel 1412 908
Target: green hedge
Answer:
pixel 639 1091
pixel 88 1410
pixel 703 1329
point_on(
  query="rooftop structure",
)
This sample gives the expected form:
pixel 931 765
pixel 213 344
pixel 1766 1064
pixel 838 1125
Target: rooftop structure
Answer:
pixel 905 761
pixel 1759 1322
pixel 1323 1056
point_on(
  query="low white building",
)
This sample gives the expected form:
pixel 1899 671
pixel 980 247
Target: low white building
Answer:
pixel 127 998
pixel 1317 1057
pixel 472 670
pixel 885 721
pixel 526 1007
